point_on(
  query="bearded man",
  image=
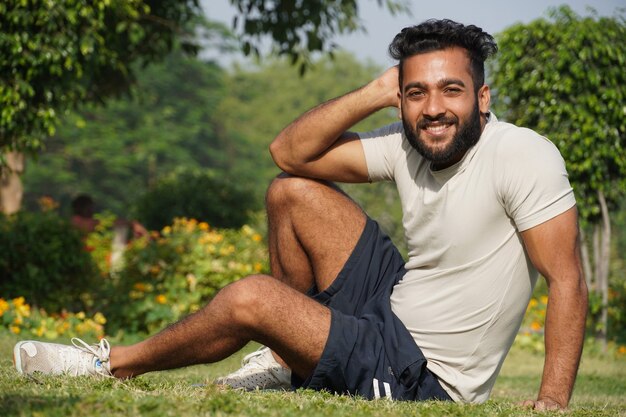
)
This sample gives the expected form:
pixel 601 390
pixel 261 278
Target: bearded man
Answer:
pixel 486 207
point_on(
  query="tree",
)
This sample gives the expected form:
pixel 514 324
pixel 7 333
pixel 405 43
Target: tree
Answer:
pixel 564 76
pixel 58 54
pixel 300 28
pixel 117 152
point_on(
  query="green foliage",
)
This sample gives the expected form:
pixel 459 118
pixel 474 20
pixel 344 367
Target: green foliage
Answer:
pixel 57 54
pixel 219 200
pixel 177 272
pixel 564 77
pixel 18 317
pixel 299 29
pixel 190 114
pixel 115 153
pixel 44 259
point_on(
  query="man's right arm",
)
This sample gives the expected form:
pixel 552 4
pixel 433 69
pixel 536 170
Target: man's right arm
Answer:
pixel 318 145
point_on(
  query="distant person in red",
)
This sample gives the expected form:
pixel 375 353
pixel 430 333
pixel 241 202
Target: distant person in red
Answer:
pixel 83 210
pixel 82 214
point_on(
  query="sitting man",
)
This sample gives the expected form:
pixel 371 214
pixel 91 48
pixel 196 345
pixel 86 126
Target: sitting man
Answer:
pixel 486 206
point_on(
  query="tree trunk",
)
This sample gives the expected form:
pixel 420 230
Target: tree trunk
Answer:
pixel 604 261
pixel 11 190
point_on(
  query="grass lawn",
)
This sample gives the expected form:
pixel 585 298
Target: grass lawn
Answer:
pixel 600 391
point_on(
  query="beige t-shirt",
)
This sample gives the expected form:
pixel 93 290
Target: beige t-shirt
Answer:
pixel 469 279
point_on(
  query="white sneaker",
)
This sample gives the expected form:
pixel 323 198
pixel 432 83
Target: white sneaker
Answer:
pixel 259 370
pixel 31 356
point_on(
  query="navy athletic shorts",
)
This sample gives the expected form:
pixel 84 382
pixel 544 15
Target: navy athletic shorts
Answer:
pixel 369 351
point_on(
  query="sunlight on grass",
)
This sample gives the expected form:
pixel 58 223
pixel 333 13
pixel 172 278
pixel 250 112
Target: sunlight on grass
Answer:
pixel 600 391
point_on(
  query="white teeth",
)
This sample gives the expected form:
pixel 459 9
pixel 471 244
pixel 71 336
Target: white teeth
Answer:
pixel 437 128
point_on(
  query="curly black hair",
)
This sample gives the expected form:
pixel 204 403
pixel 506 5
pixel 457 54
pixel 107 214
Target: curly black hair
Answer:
pixel 433 35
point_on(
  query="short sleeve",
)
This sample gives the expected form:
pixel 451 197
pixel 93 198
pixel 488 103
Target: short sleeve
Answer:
pixel 382 147
pixel 532 180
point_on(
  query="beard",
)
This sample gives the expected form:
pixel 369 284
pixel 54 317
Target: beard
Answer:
pixel 467 136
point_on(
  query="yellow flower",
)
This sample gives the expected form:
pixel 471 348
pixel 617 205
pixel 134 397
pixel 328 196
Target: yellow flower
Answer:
pixel 4 306
pixel 536 326
pixel 247 230
pixel 204 226
pixel 258 267
pixel 15 329
pixel 23 310
pixel 257 237
pixel 80 315
pixel 621 350
pixel 18 302
pixel 99 318
pixel 166 230
pixel 544 299
pixel 532 303
pixel 161 299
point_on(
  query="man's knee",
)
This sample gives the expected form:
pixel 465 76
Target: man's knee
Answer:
pixel 248 300
pixel 286 189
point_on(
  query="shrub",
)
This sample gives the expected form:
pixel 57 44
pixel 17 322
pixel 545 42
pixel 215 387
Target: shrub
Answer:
pixel 44 259
pixel 177 272
pixel 18 317
pixel 203 196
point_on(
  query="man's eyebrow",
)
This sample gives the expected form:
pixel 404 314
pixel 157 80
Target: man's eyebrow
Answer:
pixel 441 83
pixel 415 84
pixel 450 81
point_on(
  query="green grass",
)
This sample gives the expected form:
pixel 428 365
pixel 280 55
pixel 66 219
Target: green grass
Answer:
pixel 600 391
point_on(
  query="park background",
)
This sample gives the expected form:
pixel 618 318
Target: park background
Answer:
pixel 172 130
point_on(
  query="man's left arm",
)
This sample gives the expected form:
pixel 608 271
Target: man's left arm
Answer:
pixel 554 249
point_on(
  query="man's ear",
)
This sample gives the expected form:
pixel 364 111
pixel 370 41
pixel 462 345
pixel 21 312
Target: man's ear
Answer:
pixel 484 99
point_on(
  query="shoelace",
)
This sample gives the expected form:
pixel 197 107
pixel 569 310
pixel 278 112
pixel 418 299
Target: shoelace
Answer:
pixel 100 351
pixel 251 360
pixel 250 356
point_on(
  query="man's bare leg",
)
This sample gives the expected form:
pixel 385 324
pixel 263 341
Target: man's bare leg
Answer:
pixel 313 229
pixel 257 308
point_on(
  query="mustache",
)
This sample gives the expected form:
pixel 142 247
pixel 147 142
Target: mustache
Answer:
pixel 424 122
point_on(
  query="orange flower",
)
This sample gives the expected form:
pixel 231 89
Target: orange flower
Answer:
pixel 161 299
pixel 536 326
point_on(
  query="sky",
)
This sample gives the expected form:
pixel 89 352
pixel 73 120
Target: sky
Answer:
pixel 491 15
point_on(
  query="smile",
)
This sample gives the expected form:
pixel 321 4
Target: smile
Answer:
pixel 437 129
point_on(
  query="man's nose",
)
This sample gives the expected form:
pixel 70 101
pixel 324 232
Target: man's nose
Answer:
pixel 434 107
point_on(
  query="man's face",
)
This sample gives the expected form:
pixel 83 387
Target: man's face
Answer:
pixel 441 112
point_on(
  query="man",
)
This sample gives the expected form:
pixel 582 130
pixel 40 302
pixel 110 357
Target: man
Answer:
pixel 486 205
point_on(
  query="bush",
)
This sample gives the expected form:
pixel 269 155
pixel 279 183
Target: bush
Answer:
pixel 177 272
pixel 18 317
pixel 203 196
pixel 44 259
